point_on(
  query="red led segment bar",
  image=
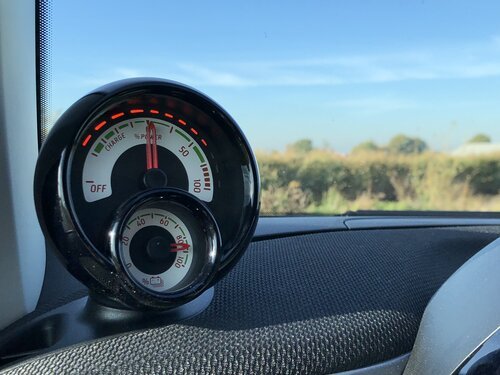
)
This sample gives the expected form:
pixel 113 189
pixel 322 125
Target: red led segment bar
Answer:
pixel 86 140
pixel 118 115
pixel 100 125
pixel 140 110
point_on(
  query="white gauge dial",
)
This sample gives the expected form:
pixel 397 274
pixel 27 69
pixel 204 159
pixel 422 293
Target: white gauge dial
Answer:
pixel 116 140
pixel 156 249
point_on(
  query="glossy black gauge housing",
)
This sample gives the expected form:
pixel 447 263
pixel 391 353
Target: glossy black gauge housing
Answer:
pixel 165 245
pixel 128 139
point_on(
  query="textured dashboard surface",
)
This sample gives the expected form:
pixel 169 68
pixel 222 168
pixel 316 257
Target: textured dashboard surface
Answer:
pixel 316 303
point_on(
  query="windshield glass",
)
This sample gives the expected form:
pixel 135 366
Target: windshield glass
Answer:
pixel 349 105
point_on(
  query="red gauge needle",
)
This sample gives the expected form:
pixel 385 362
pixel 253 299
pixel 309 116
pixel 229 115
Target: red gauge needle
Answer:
pixel 176 247
pixel 154 176
pixel 151 147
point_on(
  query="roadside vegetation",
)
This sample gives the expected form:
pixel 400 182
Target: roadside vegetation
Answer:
pixel 402 175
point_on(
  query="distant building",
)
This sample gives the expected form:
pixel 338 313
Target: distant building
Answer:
pixel 479 148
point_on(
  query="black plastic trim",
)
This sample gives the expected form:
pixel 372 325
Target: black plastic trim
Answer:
pixel 84 320
pixel 43 10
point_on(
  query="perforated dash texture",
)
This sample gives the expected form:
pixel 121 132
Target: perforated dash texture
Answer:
pixel 317 303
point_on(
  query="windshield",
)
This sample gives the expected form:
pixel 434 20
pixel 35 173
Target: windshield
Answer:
pixel 349 105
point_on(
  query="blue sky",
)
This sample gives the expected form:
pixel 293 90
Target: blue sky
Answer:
pixel 337 72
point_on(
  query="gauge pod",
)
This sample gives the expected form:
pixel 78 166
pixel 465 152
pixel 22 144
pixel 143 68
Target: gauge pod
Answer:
pixel 143 147
pixel 165 244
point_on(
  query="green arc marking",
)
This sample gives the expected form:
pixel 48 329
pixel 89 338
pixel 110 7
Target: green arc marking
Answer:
pixel 109 135
pixel 182 135
pixel 198 152
pixel 161 123
pixel 99 147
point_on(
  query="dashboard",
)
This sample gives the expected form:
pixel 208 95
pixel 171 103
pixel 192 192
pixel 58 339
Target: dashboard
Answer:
pixel 341 299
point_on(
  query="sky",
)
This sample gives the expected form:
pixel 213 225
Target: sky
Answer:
pixel 336 72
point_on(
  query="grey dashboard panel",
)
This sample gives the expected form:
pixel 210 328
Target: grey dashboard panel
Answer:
pixel 463 313
pixel 22 250
pixel 393 366
pixel 415 222
pixel 279 226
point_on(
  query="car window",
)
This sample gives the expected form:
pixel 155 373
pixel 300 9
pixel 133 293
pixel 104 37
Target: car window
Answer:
pixel 349 105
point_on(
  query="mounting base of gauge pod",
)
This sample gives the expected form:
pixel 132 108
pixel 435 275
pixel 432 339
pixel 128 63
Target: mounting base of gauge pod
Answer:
pixel 88 319
pixel 165 245
pixel 149 193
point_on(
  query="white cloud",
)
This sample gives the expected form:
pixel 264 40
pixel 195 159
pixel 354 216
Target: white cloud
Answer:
pixel 207 76
pixel 374 104
pixel 477 60
pixel 243 76
pixel 113 75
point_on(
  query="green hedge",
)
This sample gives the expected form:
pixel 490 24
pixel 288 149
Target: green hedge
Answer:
pixel 376 174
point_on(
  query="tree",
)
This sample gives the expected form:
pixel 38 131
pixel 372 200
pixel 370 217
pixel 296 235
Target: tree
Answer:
pixel 367 146
pixel 402 144
pixel 480 138
pixel 301 146
pixel 291 199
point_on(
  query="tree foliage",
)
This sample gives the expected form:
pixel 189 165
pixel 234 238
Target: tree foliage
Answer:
pixel 367 146
pixel 402 144
pixel 302 146
pixel 297 183
pixel 480 138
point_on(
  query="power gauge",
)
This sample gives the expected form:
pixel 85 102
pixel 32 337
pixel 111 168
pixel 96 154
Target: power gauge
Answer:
pixel 148 191
pixel 165 242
